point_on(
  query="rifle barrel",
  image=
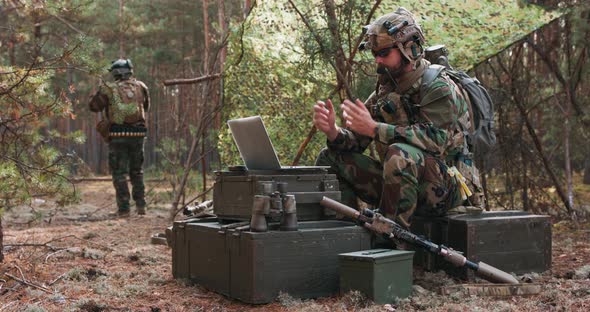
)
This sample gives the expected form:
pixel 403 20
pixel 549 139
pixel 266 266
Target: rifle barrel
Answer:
pixel 482 269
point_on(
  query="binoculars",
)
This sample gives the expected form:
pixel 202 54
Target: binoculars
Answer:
pixel 273 202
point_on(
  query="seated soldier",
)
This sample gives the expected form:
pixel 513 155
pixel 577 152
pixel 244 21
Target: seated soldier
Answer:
pixel 417 130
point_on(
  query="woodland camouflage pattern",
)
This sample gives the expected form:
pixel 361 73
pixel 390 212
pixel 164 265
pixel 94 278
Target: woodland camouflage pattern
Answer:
pixel 126 157
pixel 125 102
pixel 414 149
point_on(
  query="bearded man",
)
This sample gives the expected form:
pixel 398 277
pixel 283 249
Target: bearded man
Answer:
pixel 417 130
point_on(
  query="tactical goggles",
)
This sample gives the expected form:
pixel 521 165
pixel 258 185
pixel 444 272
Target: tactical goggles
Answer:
pixel 383 52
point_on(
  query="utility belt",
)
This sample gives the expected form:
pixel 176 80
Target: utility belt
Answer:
pixel 118 131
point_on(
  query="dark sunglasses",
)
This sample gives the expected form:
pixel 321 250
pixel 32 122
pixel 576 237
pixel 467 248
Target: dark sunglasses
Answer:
pixel 383 52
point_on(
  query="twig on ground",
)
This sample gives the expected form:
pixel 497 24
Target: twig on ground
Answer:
pixel 53 253
pixel 46 244
pixel 23 281
pixel 56 279
pixel 32 245
pixel 108 179
pixel 6 306
pixel 21 271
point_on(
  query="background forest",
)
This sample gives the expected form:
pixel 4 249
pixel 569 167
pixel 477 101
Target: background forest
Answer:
pixel 208 61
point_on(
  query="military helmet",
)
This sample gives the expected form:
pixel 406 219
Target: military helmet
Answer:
pixel 397 29
pixel 121 69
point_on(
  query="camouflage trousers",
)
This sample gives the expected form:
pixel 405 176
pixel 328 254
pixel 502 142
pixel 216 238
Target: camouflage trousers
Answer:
pixel 408 182
pixel 126 158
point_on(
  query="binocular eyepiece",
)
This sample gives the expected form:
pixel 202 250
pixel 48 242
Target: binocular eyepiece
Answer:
pixel 276 202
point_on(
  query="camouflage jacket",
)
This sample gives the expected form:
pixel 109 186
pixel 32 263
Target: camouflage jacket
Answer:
pixel 429 118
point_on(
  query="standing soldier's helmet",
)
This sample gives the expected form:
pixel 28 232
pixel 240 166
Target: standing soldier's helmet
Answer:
pixel 121 69
pixel 398 29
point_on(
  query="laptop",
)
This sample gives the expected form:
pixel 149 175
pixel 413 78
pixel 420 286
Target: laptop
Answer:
pixel 255 147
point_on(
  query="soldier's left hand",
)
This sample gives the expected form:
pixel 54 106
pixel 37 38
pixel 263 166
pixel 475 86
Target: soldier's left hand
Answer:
pixel 358 118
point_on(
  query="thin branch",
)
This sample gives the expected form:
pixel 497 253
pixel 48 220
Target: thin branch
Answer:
pixel 360 38
pixel 61 19
pixel 171 82
pixel 23 281
pixel 56 279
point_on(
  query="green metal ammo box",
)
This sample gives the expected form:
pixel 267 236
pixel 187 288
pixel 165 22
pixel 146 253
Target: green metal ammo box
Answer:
pixel 513 241
pixel 380 274
pixel 255 266
pixel 234 191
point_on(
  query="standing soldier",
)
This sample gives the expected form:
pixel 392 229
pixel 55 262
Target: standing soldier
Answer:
pixel 123 105
pixel 418 131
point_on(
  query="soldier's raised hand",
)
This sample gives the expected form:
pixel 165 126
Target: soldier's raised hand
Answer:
pixel 324 119
pixel 358 118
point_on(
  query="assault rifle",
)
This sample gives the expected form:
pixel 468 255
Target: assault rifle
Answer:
pixel 391 230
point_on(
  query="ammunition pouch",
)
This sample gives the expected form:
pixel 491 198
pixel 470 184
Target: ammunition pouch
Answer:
pixel 471 174
pixel 103 127
pixel 98 102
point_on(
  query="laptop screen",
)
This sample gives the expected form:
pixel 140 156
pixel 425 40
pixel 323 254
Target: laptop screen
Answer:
pixel 254 143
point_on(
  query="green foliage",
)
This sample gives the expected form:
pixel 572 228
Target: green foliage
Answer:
pixel 171 166
pixel 32 97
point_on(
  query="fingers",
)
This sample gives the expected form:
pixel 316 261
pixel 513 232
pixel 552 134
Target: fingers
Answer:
pixel 353 110
pixel 323 115
pixel 329 105
pixel 360 104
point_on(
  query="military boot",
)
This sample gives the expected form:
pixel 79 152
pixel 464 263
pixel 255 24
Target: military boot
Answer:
pixel 123 210
pixel 140 209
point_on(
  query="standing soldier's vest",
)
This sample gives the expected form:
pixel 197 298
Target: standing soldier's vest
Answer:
pixel 127 102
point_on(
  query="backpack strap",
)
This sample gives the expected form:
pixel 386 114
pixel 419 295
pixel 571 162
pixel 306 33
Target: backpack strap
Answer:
pixel 429 75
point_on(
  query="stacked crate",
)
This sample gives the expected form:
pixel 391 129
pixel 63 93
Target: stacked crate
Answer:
pixel 225 256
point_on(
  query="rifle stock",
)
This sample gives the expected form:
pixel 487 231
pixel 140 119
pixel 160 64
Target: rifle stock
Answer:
pixel 388 228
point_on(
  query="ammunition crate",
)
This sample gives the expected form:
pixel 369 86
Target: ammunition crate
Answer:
pixel 234 191
pixel 382 275
pixel 255 267
pixel 513 241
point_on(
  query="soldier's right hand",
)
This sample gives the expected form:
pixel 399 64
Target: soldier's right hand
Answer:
pixel 324 119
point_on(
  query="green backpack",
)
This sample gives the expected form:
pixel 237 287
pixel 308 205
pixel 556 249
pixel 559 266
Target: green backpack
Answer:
pixel 126 101
pixel 481 137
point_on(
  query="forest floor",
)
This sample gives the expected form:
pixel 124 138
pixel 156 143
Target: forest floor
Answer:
pixel 79 258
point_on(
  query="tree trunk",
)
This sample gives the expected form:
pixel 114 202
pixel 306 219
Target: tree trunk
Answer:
pixel 587 171
pixel 205 97
pixel 121 37
pixel 222 57
pixel 568 164
pixel 1 241
pixel 207 36
pixel 525 181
